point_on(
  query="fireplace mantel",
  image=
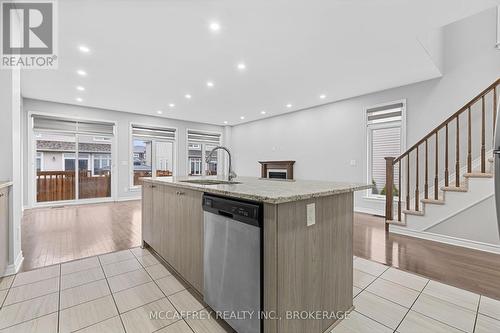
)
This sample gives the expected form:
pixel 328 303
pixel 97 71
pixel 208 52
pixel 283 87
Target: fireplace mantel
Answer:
pixel 267 166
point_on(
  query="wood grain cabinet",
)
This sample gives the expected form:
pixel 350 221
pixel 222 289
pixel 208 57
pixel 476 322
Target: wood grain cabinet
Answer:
pixel 173 226
pixel 147 213
pixel 4 229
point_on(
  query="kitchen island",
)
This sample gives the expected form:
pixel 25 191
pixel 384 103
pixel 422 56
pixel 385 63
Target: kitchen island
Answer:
pixel 306 242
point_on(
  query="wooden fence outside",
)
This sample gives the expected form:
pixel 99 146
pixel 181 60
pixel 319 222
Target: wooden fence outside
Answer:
pixel 60 185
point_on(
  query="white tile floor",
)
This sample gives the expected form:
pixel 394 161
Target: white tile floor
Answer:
pixel 111 293
pixel 389 300
pixel 116 292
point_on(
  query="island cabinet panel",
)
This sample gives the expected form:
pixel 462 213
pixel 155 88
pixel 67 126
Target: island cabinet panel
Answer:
pixel 314 263
pixel 190 237
pixel 158 217
pixel 270 257
pixel 147 213
pixel 177 230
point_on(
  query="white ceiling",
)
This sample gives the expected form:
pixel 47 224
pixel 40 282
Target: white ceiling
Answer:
pixel 146 54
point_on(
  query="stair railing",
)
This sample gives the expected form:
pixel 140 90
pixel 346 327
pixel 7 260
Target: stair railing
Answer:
pixel 392 162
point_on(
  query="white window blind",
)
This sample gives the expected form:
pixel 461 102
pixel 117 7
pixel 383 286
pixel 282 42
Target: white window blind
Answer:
pixel 47 123
pixel 204 137
pixel 384 114
pixel 384 140
pixel 153 132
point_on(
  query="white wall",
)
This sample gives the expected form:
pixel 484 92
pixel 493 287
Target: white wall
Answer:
pixel 324 139
pixel 123 121
pixel 466 224
pixel 11 162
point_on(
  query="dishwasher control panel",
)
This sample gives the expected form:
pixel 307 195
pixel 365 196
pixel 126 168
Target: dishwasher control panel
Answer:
pixel 240 210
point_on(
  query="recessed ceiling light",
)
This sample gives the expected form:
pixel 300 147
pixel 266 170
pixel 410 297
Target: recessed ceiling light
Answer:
pixel 81 72
pixel 225 122
pixel 188 96
pixel 159 112
pixel 83 49
pixel 214 26
pixel 171 105
pixel 241 66
pixel 289 105
pixel 242 117
pixel 79 99
pixel 262 112
pixel 80 88
pixel 322 96
pixel 210 84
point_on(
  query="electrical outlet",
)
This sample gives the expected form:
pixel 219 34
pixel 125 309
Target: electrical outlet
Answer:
pixel 311 214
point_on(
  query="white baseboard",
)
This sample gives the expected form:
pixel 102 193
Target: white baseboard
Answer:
pixel 445 239
pixel 127 199
pixel 14 268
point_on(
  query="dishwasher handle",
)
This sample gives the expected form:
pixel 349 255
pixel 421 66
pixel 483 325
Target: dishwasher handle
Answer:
pixel 226 214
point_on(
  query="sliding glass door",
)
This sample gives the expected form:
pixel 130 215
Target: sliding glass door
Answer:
pixel 55 167
pixel 72 160
pixel 94 167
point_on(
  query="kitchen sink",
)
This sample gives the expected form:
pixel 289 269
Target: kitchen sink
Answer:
pixel 209 182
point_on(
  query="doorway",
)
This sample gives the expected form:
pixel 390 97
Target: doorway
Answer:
pixel 73 161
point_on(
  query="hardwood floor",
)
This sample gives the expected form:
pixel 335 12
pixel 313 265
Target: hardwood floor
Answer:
pixel 473 270
pixel 55 235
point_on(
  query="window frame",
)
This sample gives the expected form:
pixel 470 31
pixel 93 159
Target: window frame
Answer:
pixel 220 160
pixel 368 142
pixel 131 154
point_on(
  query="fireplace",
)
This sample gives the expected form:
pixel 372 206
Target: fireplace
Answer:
pixel 277 169
pixel 277 173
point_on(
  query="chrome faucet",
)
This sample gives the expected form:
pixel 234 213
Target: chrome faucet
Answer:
pixel 231 173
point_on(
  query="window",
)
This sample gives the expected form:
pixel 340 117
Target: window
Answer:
pixel 200 144
pixel 152 152
pixel 384 139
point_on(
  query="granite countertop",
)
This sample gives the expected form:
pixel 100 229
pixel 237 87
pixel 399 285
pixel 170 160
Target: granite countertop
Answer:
pixel 5 184
pixel 265 190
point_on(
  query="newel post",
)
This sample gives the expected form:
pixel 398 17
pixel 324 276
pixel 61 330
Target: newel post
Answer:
pixel 389 185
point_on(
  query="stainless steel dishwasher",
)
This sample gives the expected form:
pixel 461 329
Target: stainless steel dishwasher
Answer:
pixel 232 261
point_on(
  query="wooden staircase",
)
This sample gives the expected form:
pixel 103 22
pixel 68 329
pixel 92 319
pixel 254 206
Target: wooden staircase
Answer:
pixel 430 157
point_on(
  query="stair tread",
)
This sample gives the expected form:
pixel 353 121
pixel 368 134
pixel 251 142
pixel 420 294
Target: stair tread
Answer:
pixel 439 201
pixel 478 175
pixel 413 212
pixel 452 188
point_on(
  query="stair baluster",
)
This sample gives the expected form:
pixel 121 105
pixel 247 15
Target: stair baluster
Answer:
pixel 483 137
pixel 399 192
pixel 426 184
pixel 436 171
pixel 408 181
pixel 469 142
pixel 446 173
pixel 417 197
pixel 457 155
